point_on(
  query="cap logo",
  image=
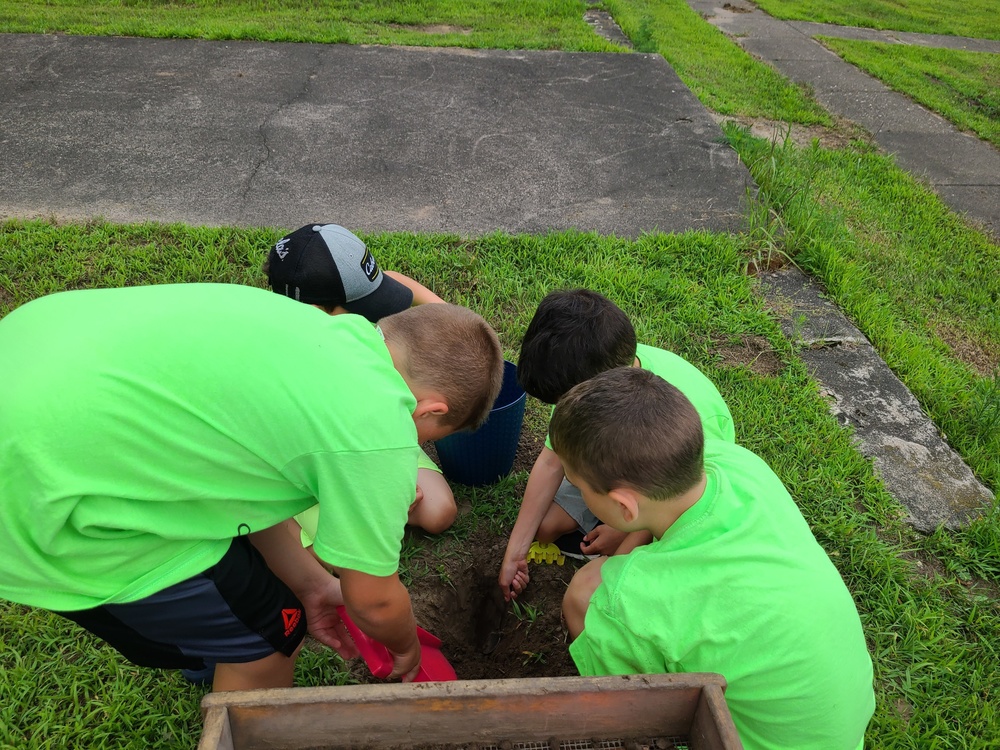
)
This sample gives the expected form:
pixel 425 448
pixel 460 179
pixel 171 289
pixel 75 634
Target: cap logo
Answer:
pixel 369 266
pixel 280 247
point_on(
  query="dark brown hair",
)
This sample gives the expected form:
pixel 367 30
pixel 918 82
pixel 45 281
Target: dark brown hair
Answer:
pixel 629 428
pixel 573 335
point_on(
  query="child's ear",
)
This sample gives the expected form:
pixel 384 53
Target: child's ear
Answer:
pixel 627 501
pixel 432 406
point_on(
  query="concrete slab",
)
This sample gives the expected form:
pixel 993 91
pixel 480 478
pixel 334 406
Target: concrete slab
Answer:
pixel 753 24
pixel 826 72
pixel 376 138
pixel 847 32
pixel 958 162
pixel 806 317
pixel 968 199
pixel 922 141
pixel 916 465
pixel 897 37
pixel 784 48
pixel 879 109
pixel 603 23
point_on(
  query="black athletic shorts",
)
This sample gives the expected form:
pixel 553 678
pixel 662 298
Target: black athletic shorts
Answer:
pixel 236 611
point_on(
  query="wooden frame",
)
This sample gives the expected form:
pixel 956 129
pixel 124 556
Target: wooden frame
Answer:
pixel 475 713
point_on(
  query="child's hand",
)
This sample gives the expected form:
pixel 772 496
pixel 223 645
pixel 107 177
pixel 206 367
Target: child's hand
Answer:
pixel 603 540
pixel 325 624
pixel 406 665
pixel 513 578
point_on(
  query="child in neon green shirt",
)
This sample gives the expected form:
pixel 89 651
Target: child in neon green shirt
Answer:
pixel 733 582
pixel 156 441
pixel 573 335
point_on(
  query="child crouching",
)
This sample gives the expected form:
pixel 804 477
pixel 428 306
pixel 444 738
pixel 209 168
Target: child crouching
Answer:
pixel 734 581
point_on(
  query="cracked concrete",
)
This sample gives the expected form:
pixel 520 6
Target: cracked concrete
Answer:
pixel 913 460
pixel 264 130
pixel 376 138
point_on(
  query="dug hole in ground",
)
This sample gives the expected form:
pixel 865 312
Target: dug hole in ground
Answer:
pixel 456 597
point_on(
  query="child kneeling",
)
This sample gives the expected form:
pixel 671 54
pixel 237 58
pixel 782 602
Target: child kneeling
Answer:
pixel 734 581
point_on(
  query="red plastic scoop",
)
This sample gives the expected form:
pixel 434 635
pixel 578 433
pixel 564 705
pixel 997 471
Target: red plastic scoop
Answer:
pixel 433 666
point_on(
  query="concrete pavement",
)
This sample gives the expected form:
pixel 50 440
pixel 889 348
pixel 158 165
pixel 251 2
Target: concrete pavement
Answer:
pixel 961 168
pixel 376 138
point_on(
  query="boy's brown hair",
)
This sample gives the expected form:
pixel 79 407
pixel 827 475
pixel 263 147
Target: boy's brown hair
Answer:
pixel 573 335
pixel 627 427
pixel 452 350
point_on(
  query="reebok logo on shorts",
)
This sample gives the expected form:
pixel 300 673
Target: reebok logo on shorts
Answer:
pixel 291 618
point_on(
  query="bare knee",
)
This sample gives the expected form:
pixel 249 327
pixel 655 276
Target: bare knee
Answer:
pixel 576 600
pixel 437 511
pixel 274 671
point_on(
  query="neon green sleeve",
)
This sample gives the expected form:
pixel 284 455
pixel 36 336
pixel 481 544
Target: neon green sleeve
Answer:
pixel 607 646
pixel 363 500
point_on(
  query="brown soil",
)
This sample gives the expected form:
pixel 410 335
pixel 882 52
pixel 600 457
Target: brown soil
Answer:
pixel 841 135
pixel 753 352
pixel 977 355
pixel 456 597
pixel 484 637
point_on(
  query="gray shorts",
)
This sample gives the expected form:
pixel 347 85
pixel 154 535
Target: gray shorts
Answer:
pixel 569 498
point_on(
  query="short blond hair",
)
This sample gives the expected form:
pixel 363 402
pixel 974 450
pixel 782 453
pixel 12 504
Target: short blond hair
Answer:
pixel 628 427
pixel 453 351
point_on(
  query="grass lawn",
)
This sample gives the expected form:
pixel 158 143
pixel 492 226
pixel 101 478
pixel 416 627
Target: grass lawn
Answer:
pixel 972 18
pixel 934 632
pixel 500 24
pixel 962 86
pixel 919 282
pixel 723 76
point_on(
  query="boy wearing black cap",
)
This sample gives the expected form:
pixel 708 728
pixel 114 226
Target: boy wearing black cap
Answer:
pixel 330 267
pixel 327 266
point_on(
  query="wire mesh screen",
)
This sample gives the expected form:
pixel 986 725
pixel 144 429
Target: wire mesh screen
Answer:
pixel 661 743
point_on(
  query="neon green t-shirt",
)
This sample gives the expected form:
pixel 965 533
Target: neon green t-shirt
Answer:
pixel 739 586
pixel 716 420
pixel 141 429
pixel 308 519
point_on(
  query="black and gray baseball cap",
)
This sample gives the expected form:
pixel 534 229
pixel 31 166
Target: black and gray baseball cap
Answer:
pixel 325 264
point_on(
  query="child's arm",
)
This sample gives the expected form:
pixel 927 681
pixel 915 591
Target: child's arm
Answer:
pixel 319 592
pixel 543 481
pixel 380 606
pixel 421 294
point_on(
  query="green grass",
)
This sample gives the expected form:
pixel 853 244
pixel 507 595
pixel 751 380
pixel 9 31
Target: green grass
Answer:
pixel 723 76
pixel 919 283
pixel 963 87
pixel 935 638
pixel 973 18
pixel 499 24
pixel 917 280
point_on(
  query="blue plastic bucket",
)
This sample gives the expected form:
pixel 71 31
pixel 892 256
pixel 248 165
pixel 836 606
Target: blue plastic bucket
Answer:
pixel 487 455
